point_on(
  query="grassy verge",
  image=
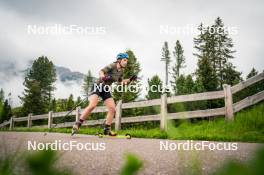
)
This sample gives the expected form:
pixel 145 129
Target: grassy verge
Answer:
pixel 248 126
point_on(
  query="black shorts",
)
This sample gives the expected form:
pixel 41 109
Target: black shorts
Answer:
pixel 104 92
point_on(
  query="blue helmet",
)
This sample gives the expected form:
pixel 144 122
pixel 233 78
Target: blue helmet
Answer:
pixel 122 56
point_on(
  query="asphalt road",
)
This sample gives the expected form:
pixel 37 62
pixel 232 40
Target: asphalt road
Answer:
pixel 106 155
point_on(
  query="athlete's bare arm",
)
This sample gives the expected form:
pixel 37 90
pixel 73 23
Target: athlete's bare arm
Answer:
pixel 101 74
pixel 125 81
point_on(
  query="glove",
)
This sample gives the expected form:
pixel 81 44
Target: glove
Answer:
pixel 133 78
pixel 106 78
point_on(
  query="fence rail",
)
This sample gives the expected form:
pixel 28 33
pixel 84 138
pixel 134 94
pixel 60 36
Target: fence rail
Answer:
pixel 228 110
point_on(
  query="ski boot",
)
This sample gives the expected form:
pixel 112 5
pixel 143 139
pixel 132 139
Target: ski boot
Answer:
pixel 76 127
pixel 107 131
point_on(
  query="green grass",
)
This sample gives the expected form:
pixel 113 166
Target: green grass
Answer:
pixel 34 163
pixel 248 126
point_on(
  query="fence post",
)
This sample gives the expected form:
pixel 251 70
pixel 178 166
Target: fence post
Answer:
pixel 229 113
pixel 77 116
pixel 29 122
pixel 50 119
pixel 118 115
pixel 163 112
pixel 11 121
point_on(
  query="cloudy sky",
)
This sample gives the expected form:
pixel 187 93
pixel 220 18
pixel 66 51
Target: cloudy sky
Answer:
pixel 117 25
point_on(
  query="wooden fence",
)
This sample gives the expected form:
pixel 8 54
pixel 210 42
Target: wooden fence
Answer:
pixel 228 110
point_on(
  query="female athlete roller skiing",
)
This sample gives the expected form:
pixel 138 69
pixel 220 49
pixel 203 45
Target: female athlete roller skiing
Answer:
pixel 107 75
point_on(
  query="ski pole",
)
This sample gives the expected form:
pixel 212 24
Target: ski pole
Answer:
pixel 65 115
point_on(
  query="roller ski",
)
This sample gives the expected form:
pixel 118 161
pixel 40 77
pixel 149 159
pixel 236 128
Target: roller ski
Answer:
pixel 107 133
pixel 126 136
